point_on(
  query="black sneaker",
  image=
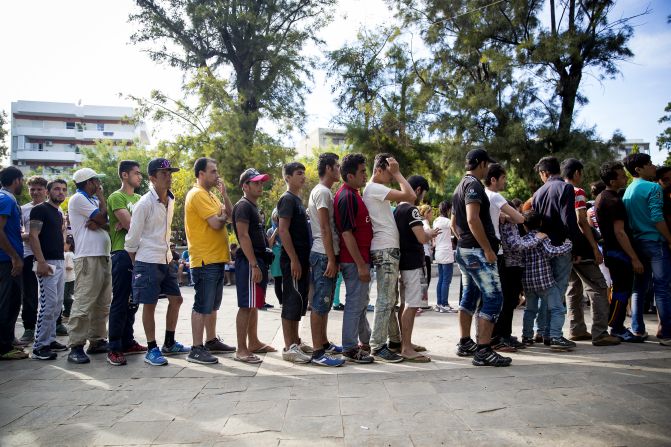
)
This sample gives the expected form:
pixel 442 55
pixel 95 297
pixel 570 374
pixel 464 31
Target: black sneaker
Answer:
pixel 385 355
pixel 268 306
pixel 339 307
pixel 97 347
pixel 394 346
pixel 547 341
pixel 77 355
pixel 514 342
pixel 488 357
pixel 200 354
pixel 358 355
pixel 44 353
pixel 561 344
pixel 57 347
pixel 466 349
pixel 216 346
pixel 528 341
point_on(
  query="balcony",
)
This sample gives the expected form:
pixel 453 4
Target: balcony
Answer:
pixel 47 156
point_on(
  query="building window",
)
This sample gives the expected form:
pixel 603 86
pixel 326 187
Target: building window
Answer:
pixel 108 134
pixel 70 125
pixel 76 149
pixel 100 127
pixel 81 127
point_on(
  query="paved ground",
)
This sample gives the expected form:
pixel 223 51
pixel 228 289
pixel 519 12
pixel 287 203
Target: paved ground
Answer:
pixel 593 396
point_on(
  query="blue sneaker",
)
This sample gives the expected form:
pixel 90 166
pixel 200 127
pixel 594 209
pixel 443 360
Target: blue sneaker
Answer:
pixel 334 349
pixel 370 308
pixel 326 360
pixel 177 348
pixel 154 357
pixel 627 336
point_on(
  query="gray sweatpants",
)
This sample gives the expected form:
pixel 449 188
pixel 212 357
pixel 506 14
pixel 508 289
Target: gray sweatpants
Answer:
pixel 50 302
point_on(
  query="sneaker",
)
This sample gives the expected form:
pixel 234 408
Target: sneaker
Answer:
pixel 547 341
pixel 295 355
pixel 268 306
pixel 370 308
pixel 307 349
pixel 502 345
pixel 201 354
pixel 451 309
pixel 57 347
pixel 77 355
pixel 44 353
pixel 135 348
pixel 327 360
pixel 98 347
pixel 14 354
pixel 439 308
pixel 28 336
pixel 561 344
pixel 466 349
pixel 176 348
pixel 61 330
pixel 154 357
pixel 489 357
pixel 358 355
pixel 386 356
pixel 538 338
pixel 216 346
pixel 665 341
pixel 18 343
pixel 581 337
pixel 627 336
pixel 115 358
pixel 365 347
pixel 643 335
pixel 528 341
pixel 606 340
pixel 339 307
pixel 334 349
pixel 394 346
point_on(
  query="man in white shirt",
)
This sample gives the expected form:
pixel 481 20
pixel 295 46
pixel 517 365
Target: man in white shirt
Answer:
pixel 385 251
pixel 148 244
pixel 87 210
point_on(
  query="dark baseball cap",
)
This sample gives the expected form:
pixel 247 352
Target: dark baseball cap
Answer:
pixel 252 175
pixel 160 164
pixel 477 156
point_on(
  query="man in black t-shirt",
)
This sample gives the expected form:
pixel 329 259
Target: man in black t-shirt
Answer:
pixel 251 269
pixel 476 256
pixel 619 255
pixel 294 231
pixel 46 242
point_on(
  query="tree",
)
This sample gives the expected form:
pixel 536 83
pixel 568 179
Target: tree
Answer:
pixel 258 45
pixel 4 150
pixel 664 138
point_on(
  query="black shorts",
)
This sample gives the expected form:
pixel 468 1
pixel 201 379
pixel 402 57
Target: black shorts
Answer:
pixel 295 292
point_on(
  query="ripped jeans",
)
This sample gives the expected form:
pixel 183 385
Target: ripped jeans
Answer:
pixel 480 279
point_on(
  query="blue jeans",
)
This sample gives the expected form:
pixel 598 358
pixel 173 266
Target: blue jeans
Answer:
pixel 535 310
pixel 387 271
pixel 323 286
pixel 657 262
pixel 480 279
pixel 556 310
pixel 209 287
pixel 355 325
pixel 444 280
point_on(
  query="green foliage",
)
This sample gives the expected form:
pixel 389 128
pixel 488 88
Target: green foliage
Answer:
pixel 4 149
pixel 664 138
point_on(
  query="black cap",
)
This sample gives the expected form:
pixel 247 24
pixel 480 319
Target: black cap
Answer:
pixel 477 156
pixel 158 164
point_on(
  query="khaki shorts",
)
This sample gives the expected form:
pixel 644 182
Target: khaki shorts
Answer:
pixel 414 288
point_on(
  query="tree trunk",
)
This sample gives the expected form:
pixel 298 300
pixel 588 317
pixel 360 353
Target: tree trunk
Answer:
pixel 569 85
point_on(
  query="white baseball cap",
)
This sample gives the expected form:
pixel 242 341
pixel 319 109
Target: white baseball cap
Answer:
pixel 85 174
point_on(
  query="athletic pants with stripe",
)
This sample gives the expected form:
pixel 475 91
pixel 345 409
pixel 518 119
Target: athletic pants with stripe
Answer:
pixel 50 304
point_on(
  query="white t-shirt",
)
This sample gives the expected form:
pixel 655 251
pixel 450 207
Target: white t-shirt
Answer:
pixel 444 252
pixel 385 232
pixel 321 197
pixel 496 202
pixel 87 242
pixel 69 264
pixel 25 220
pixel 427 246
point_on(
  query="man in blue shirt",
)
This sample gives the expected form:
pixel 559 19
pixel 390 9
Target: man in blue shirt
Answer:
pixel 643 200
pixel 11 261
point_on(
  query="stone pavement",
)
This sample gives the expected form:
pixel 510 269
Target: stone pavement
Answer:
pixel 593 396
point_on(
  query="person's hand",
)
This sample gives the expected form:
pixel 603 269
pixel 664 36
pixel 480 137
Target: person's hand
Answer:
pixel 503 218
pixel 364 272
pixel 92 225
pixel 577 259
pixel 435 232
pixel 296 270
pixel 637 266
pixel 43 269
pixel 257 276
pixel 490 256
pixel 99 191
pixel 598 257
pixel 331 269
pixel 394 168
pixel 17 266
pixel 221 186
pixel 541 236
pixel 118 226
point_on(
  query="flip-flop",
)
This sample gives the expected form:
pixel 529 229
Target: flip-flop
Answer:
pixel 419 359
pixel 249 359
pixel 264 349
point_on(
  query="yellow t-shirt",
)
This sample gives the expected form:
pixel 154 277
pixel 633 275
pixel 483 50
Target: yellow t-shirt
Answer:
pixel 206 245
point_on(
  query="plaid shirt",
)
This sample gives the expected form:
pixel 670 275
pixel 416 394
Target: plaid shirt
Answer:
pixel 536 255
pixel 511 255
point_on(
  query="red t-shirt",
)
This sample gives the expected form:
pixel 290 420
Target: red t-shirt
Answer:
pixel 580 198
pixel 350 213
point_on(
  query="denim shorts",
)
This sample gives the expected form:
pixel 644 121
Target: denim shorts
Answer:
pixel 480 279
pixel 324 287
pixel 151 281
pixel 209 286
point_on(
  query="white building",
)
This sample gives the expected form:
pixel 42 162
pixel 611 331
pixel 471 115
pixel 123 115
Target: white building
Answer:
pixel 626 147
pixel 319 139
pixel 51 134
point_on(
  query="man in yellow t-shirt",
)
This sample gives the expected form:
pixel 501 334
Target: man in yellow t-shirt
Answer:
pixel 205 219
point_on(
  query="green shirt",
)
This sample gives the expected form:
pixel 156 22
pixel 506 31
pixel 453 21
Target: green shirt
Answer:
pixel 116 201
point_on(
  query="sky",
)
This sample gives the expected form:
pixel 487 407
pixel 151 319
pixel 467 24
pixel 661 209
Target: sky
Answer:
pixel 73 50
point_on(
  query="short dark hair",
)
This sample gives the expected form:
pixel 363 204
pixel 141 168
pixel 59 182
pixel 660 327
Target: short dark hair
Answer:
pixel 127 165
pixel 549 165
pixel 608 171
pixel 37 180
pixel 325 160
pixel 82 185
pixel 350 164
pixel 417 181
pixel 596 188
pixel 9 175
pixel 517 202
pixel 292 167
pixel 633 161
pixel 570 166
pixel 201 165
pixel 381 161
pixel 532 220
pixel 53 182
pixel 70 240
pixel 495 170
pixel 661 171
pixel 444 207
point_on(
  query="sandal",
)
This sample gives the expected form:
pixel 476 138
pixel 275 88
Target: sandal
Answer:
pixel 418 348
pixel 264 349
pixel 419 359
pixel 251 358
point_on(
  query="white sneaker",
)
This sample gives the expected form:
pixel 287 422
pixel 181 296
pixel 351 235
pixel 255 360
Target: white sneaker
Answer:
pixel 295 355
